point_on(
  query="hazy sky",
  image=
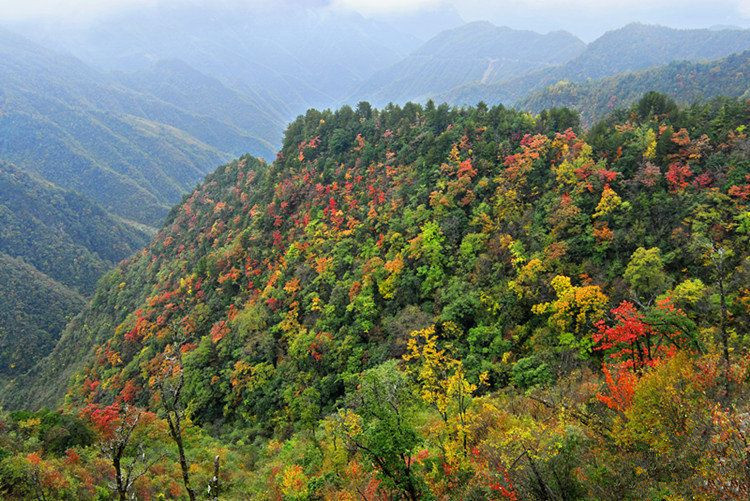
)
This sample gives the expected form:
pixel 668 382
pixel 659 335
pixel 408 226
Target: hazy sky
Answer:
pixel 585 18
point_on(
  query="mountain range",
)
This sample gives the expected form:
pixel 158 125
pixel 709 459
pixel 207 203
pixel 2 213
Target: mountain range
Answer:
pixel 132 152
pixel 631 48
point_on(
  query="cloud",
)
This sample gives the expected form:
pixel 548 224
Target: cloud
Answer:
pixel 88 9
pixel 379 6
pixel 25 9
pixel 385 6
pixel 604 10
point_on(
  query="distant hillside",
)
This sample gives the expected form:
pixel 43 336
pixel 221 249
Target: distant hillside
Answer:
pixel 475 52
pixel 131 151
pixel 684 81
pixel 60 233
pixel 207 109
pixel 286 56
pixel 87 165
pixel 33 312
pixel 54 246
pixel 631 48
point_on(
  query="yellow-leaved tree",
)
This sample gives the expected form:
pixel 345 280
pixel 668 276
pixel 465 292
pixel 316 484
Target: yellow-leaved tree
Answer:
pixel 442 383
pixel 574 312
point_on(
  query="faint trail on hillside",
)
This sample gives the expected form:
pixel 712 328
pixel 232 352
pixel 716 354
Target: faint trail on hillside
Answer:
pixel 488 71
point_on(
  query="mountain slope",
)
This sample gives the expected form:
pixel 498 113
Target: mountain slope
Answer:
pixel 54 246
pixel 364 224
pixel 684 81
pixel 60 233
pixel 631 48
pixel 33 312
pixel 474 52
pixel 215 114
pixel 238 209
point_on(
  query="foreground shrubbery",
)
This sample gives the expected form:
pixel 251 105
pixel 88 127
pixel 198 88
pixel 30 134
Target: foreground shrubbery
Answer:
pixel 669 432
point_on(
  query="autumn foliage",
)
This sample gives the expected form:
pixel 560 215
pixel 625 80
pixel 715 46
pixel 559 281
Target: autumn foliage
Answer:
pixel 425 302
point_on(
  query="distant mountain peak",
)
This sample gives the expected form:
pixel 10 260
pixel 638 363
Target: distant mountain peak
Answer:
pixel 725 27
pixel 474 52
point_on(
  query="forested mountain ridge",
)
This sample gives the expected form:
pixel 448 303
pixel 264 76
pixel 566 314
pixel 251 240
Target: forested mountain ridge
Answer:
pixel 684 81
pixel 474 52
pixel 424 301
pixel 631 48
pixel 641 45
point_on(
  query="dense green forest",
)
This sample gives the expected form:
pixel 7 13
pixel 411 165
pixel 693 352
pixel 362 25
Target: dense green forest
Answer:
pixel 684 81
pixel 54 246
pixel 421 302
